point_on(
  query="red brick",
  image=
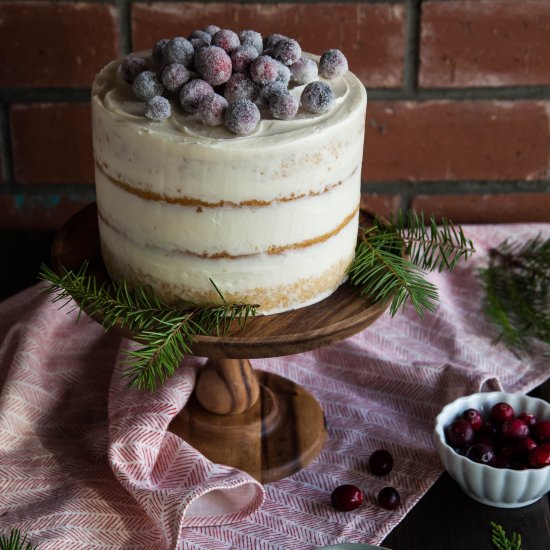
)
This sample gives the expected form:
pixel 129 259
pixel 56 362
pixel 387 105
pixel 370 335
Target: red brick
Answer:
pixel 499 208
pixel 370 35
pixel 457 140
pixel 52 143
pixel 485 43
pixel 23 212
pixel 55 44
pixel 383 205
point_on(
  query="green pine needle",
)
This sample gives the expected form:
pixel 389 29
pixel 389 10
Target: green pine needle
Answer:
pixel 13 541
pixel 501 541
pixel 517 292
pixel 167 333
pixel 391 256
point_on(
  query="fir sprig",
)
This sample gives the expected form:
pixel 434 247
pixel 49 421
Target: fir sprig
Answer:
pixel 391 257
pixel 13 541
pixel 501 541
pixel 517 291
pixel 167 334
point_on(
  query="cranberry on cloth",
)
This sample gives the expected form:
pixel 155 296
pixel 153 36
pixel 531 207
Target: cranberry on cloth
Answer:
pixel 86 462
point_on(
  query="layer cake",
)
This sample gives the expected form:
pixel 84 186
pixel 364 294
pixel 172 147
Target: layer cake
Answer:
pixel 270 217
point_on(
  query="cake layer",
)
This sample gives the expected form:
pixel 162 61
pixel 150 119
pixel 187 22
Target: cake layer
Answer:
pixel 276 282
pixel 228 230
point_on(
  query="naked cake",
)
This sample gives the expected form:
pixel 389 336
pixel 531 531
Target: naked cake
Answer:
pixel 269 214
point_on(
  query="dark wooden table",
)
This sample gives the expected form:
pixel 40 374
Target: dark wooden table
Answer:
pixel 444 519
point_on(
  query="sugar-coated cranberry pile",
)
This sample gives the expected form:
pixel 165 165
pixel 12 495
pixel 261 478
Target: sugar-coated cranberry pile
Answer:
pixel 223 76
pixel 502 440
pixel 349 497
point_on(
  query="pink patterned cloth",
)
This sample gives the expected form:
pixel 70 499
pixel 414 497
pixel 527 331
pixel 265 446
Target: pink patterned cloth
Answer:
pixel 87 463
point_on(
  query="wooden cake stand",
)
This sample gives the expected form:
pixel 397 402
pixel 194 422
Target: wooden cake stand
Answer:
pixel 258 422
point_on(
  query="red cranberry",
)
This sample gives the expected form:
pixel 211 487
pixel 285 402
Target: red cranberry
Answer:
pixel 381 462
pixel 501 461
pixel 502 412
pixel 525 445
pixel 474 418
pixel 512 453
pixel 459 433
pixel 539 456
pixel 541 431
pixel 389 498
pixel 515 429
pixel 484 440
pixel 482 454
pixel 519 466
pixel 346 498
pixel 488 429
pixel 529 419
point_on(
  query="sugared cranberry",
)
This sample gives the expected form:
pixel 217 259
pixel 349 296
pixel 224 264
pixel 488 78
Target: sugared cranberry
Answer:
pixel 284 107
pixel 381 462
pixel 473 416
pixel 252 38
pixel 515 429
pixel 317 97
pixel 346 498
pixel 389 498
pixel 501 412
pixel 482 454
pixel 539 456
pixel 213 65
pixel 242 56
pixel 158 109
pixel 242 117
pixel 264 69
pixel 304 71
pixel 529 419
pixel 272 39
pixel 226 39
pixel 541 431
pixel 287 51
pixel 459 433
pixel 212 29
pixel 239 86
pixel 174 76
pixel 333 63
pixel 178 50
pixel 192 93
pixel 200 35
pixel 212 109
pixel 146 86
pixel 130 67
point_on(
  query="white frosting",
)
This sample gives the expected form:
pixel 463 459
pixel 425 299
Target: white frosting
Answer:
pixel 280 197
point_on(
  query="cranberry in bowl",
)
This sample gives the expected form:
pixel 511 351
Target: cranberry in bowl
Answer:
pixel 503 458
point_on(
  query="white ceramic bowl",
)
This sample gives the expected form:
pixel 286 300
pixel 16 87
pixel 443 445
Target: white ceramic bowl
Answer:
pixel 500 487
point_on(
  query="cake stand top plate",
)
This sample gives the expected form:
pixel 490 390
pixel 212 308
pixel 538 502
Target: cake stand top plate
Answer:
pixel 339 316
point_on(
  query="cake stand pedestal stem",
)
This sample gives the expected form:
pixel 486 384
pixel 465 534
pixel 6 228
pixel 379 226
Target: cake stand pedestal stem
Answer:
pixel 227 386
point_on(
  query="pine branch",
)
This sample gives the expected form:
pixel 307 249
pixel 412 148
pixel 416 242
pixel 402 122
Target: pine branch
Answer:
pixel 381 270
pixel 13 541
pixel 428 246
pixel 167 333
pixel 382 273
pixel 501 541
pixel 517 292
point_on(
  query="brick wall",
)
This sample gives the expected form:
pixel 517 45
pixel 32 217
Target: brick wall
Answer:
pixel 458 121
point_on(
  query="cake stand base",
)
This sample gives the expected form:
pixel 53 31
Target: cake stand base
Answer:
pixel 279 435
